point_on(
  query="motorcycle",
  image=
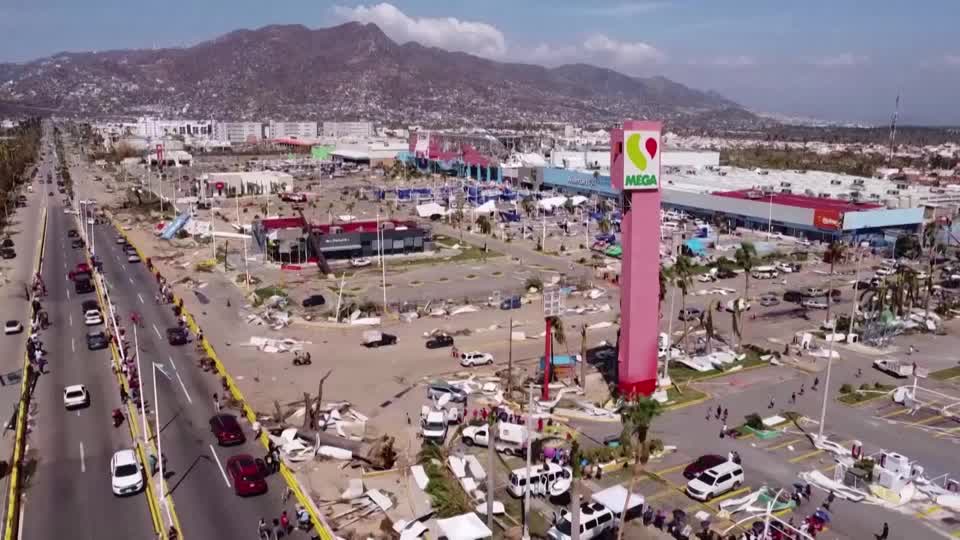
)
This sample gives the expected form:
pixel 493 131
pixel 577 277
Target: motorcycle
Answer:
pixel 117 417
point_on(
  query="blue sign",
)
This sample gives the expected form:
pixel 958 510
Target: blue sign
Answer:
pixel 579 180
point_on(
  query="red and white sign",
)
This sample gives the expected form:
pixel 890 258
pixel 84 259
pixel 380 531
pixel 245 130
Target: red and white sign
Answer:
pixel 828 219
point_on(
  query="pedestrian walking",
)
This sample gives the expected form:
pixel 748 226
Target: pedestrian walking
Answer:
pixel 772 403
pixel 816 382
pixel 123 396
pixel 285 521
pixel 801 389
pixel 883 534
pixel 709 413
pixel 216 402
pixel 719 411
pixel 793 397
pixel 278 532
pixel 859 372
pixel 263 530
pixel 725 414
pixel 723 431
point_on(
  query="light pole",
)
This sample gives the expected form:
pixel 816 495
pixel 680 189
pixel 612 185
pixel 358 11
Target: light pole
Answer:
pixel 528 484
pixel 856 290
pixel 136 353
pixel 156 414
pixel 826 383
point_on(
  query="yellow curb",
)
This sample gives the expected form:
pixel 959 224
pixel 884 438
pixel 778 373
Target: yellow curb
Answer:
pixel 729 494
pixel 12 521
pixel 805 456
pixel 698 401
pixel 925 421
pixel 784 444
pixel 896 413
pixel 955 534
pixel 928 511
pixel 672 469
pixel 947 432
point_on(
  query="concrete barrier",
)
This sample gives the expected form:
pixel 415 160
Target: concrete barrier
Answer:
pixel 12 522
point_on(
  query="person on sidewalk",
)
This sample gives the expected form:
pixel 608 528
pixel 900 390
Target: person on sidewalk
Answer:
pixel 263 530
pixel 883 534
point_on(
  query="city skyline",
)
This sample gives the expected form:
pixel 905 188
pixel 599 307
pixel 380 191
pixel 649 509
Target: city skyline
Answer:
pixel 831 62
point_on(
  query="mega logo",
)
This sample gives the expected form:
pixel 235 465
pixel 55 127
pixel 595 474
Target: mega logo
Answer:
pixel 641 169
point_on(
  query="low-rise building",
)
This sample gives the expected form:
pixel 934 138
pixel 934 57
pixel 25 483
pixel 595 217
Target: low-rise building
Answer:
pixel 344 130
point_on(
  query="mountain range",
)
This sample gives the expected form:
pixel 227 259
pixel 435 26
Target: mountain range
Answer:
pixel 345 72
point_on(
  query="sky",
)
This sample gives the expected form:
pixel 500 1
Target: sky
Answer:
pixel 839 60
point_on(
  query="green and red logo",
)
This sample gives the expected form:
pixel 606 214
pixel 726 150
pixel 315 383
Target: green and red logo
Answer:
pixel 641 169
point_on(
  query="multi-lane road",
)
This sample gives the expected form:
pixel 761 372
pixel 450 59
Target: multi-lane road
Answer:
pixel 69 495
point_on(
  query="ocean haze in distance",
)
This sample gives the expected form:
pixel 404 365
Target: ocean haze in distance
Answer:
pixel 836 61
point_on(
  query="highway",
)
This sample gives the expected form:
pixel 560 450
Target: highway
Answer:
pixel 69 495
pixel 202 494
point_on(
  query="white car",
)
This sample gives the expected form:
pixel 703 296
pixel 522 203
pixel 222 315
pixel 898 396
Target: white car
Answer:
pixel 75 396
pixel 884 271
pixel 121 240
pixel 92 317
pixel 126 476
pixel 473 358
pixel 12 327
pixel 742 304
pixel 810 303
pixel 360 262
pixel 133 258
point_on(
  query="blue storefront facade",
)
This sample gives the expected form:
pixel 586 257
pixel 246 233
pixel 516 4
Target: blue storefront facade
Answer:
pixel 576 182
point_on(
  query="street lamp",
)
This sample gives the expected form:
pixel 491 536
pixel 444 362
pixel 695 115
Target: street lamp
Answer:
pixel 156 414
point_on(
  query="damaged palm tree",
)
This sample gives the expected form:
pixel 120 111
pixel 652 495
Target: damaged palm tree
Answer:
pixel 382 455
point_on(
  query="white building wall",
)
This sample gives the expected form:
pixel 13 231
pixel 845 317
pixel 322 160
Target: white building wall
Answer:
pixel 337 130
pixel 239 132
pixel 293 130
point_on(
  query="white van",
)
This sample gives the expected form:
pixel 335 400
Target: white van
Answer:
pixel 544 478
pixel 765 272
pixel 595 519
pixel 715 481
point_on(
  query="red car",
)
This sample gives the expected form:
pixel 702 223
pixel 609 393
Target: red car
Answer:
pixel 227 430
pixel 247 475
pixel 701 464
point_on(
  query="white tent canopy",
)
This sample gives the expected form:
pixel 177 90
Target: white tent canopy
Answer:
pixel 488 207
pixel 577 200
pixel 430 209
pixel 464 527
pixel 551 202
pixel 614 497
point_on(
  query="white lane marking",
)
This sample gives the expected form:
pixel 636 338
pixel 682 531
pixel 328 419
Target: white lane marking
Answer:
pixel 223 472
pixel 68 294
pixel 73 345
pixel 157 331
pixel 131 281
pixel 117 257
pixel 23 511
pixel 140 297
pixel 177 372
pixel 71 316
pixel 123 266
pixel 83 463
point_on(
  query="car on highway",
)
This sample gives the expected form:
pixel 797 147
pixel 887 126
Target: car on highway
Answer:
pixel 769 299
pixel 50 194
pixel 121 240
pixel 227 430
pixel 815 291
pixel 812 303
pixel 437 389
pixel 78 243
pixel 474 358
pixel 92 317
pixel 439 341
pixel 884 271
pixel 177 336
pixel 75 396
pixel 793 296
pixel 72 233
pixel 97 340
pixel 8 253
pixel 689 314
pixel 701 464
pixel 12 327
pixel 7 243
pixel 126 474
pixel 313 300
pixel 725 273
pixel 133 258
pixel 83 286
pixel 87 305
pixel 247 474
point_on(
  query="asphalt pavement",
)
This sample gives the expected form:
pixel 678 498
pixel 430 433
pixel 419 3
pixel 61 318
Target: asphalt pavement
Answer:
pixel 202 492
pixel 69 494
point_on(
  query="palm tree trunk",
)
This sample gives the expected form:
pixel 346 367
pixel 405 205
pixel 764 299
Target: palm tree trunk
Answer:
pixel 683 309
pixel 574 509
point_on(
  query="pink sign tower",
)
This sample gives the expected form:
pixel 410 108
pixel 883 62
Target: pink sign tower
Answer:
pixel 635 169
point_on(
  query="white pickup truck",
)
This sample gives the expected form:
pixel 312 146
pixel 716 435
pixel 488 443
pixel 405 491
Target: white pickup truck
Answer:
pixel 511 438
pixel 894 367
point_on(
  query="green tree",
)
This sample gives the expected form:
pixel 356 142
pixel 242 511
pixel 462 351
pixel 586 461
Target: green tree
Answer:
pixel 835 253
pixel 637 417
pixel 604 225
pixel 683 272
pixel 746 257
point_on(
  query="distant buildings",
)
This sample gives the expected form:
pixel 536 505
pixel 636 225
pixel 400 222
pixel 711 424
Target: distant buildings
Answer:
pixel 239 132
pixel 155 128
pixel 343 130
pixel 293 130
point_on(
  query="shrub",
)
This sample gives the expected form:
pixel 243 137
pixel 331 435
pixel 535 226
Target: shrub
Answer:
pixel 754 421
pixel 866 386
pixel 846 388
pixel 533 283
pixel 656 445
pixel 878 386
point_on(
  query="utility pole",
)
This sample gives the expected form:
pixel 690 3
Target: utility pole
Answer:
pixel 510 358
pixel 527 486
pixel 826 384
pixel 491 464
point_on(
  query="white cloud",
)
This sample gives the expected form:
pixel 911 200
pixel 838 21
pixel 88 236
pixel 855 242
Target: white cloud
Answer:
pixel 622 53
pixel 444 32
pixel 619 10
pixel 840 60
pixel 733 61
pixel 952 59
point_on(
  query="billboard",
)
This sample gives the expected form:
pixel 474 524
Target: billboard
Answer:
pixel 827 218
pixel 641 168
